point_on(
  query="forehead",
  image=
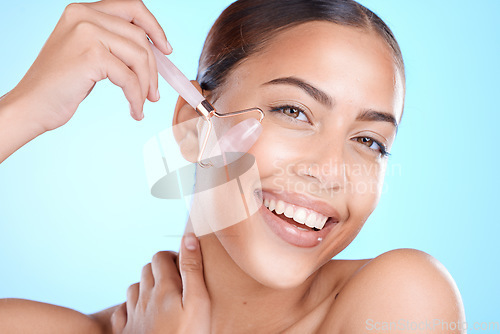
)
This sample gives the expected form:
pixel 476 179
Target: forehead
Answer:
pixel 350 64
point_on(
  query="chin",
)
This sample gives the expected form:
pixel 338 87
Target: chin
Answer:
pixel 267 260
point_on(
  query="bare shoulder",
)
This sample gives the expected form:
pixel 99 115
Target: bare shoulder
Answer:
pixel 403 290
pixel 27 316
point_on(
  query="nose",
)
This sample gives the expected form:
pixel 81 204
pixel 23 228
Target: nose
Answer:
pixel 325 165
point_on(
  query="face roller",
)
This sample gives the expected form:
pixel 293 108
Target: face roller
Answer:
pixel 240 138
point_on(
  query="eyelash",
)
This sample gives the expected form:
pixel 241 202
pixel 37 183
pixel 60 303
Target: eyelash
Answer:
pixel 382 148
pixel 290 118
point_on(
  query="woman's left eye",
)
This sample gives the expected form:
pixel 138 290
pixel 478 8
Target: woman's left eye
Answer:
pixel 372 144
pixel 293 112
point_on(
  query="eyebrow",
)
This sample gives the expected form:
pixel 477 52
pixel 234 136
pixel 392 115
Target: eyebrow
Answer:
pixel 377 116
pixel 314 92
pixel 324 98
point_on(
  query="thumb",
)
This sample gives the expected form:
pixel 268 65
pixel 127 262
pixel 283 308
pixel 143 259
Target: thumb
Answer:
pixel 194 289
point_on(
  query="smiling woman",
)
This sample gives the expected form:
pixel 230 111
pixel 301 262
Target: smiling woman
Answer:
pixel 335 135
pixel 329 76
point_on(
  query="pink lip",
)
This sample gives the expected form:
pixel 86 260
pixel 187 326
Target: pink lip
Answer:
pixel 291 234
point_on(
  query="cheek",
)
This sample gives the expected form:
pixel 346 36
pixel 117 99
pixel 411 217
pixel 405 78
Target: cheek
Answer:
pixel 265 161
pixel 274 148
pixel 364 187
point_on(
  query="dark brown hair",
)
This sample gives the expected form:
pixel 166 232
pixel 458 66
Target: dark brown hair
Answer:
pixel 246 25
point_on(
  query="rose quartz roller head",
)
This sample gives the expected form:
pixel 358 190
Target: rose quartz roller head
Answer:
pixel 239 138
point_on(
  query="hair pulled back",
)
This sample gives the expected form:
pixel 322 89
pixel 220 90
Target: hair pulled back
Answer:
pixel 246 26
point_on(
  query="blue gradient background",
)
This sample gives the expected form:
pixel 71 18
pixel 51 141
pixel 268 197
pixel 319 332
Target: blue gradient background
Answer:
pixel 76 220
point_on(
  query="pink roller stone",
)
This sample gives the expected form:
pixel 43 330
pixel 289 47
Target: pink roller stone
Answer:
pixel 237 141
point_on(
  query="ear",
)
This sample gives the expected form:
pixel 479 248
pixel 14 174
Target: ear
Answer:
pixel 185 127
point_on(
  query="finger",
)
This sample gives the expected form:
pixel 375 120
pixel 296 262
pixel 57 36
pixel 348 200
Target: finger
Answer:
pixel 191 268
pixel 122 76
pixel 166 275
pixel 154 94
pixel 110 66
pixel 135 11
pixel 129 31
pixel 132 298
pixel 131 54
pixel 119 318
pixel 147 282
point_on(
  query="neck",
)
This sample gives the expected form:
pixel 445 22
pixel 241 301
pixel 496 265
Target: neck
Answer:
pixel 240 302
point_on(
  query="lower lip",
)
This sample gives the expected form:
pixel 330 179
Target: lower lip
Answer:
pixel 293 235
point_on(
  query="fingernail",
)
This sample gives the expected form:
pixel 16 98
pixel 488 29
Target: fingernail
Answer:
pixel 190 242
pixel 132 113
pixel 157 94
pixel 169 47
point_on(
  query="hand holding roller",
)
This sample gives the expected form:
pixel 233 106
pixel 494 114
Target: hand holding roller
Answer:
pixel 239 138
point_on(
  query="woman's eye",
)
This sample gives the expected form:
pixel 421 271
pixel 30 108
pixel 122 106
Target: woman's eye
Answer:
pixel 293 112
pixel 372 144
pixel 368 142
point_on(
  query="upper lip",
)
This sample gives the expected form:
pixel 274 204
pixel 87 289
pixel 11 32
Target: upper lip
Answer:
pixel 305 201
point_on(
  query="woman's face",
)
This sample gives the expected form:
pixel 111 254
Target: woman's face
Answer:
pixel 332 96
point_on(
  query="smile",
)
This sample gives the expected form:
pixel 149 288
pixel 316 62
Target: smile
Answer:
pixel 304 216
pixel 297 219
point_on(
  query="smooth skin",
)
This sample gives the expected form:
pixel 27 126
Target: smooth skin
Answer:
pixel 274 288
pixel 192 293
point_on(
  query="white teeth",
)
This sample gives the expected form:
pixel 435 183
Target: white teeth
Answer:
pixel 300 216
pixel 311 220
pixel 280 207
pixel 304 216
pixel 321 222
pixel 272 205
pixel 266 202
